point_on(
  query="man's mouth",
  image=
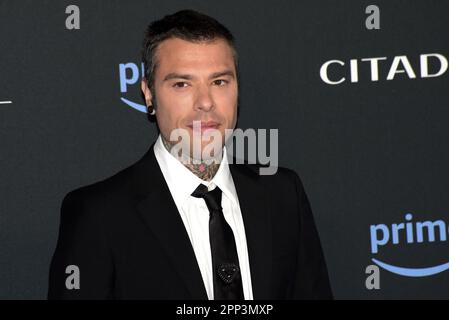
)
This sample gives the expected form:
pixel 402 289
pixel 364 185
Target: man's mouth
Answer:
pixel 203 126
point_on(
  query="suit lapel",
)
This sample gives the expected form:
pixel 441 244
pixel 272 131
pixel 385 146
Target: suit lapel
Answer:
pixel 159 212
pixel 257 221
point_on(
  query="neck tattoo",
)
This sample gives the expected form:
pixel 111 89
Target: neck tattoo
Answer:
pixel 202 170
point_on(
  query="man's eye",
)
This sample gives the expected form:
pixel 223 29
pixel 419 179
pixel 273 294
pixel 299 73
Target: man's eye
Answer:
pixel 220 82
pixel 180 85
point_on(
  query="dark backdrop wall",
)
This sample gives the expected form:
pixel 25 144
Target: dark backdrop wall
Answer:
pixel 369 152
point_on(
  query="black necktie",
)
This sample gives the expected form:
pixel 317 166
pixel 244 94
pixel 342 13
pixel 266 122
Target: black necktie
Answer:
pixel 225 261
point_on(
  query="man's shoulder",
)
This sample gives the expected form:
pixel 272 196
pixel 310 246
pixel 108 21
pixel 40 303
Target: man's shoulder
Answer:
pixel 124 183
pixel 264 171
pixel 270 177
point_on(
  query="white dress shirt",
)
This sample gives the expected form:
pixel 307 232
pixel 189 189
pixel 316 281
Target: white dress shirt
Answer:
pixel 195 214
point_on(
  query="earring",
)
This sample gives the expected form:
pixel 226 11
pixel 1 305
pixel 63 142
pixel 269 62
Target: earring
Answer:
pixel 151 110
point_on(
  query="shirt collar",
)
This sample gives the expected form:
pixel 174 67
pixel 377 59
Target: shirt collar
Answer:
pixel 182 182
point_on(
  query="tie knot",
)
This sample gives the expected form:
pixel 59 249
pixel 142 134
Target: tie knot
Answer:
pixel 212 198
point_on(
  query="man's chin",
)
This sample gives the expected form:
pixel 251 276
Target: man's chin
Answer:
pixel 196 145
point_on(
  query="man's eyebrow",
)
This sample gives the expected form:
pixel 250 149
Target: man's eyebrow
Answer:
pixel 174 75
pixel 229 73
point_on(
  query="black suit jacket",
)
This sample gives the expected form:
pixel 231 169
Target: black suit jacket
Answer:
pixel 128 240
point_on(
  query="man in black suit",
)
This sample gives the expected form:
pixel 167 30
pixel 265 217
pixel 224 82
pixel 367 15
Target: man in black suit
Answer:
pixel 168 227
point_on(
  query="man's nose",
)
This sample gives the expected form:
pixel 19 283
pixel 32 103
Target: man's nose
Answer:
pixel 204 100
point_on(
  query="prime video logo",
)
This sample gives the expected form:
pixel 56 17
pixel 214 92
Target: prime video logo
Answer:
pixel 131 74
pixel 413 232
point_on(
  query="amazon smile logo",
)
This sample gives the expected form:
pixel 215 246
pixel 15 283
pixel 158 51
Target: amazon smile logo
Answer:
pixel 130 75
pixel 411 232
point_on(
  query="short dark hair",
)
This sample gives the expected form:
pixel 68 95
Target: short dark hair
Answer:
pixel 187 25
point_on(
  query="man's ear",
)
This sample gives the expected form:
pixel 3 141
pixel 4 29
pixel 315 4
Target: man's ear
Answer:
pixel 146 92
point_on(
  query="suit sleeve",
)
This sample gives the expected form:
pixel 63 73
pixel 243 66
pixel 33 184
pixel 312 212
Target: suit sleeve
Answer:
pixel 81 267
pixel 311 280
